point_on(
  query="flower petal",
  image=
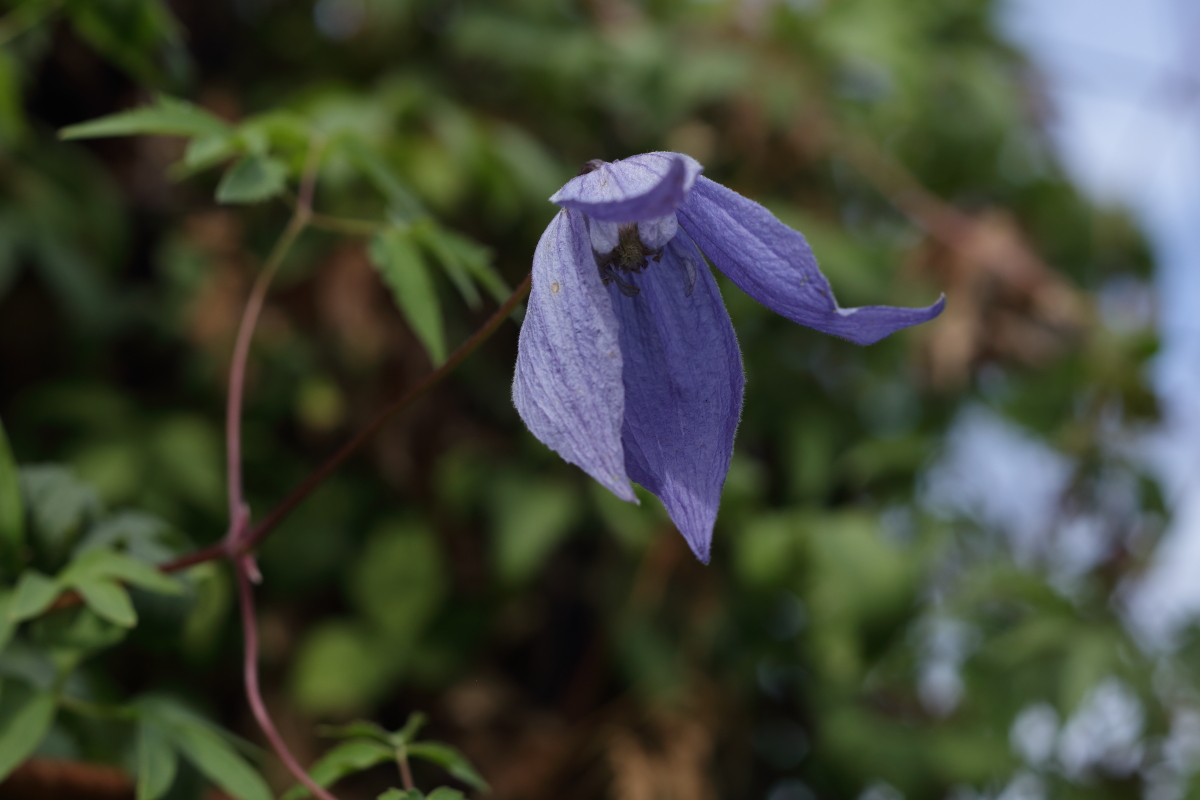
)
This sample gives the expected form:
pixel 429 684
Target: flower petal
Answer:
pixel 683 389
pixel 774 264
pixel 640 187
pixel 567 387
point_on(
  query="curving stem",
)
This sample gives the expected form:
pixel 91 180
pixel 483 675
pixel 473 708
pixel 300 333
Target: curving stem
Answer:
pixel 241 347
pixel 246 570
pixel 239 513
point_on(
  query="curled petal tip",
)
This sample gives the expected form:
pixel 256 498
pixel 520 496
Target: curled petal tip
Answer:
pixel 641 187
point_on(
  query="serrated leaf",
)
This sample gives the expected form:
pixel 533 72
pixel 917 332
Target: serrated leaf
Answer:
pixel 431 238
pixel 252 180
pixel 345 759
pixel 21 733
pixel 103 563
pixel 109 600
pixel 167 117
pixel 157 762
pixel 402 203
pixel 34 594
pixel 12 513
pixel 451 760
pixel 477 261
pixel 406 274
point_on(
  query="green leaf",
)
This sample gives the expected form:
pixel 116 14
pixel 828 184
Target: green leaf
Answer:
pixel 400 794
pixel 219 762
pixel 399 581
pixel 412 726
pixel 252 180
pixel 103 563
pixel 59 506
pixel 156 762
pixel 445 793
pixel 167 117
pixel 72 635
pixel 477 260
pixel 359 729
pixel 7 626
pixel 451 760
pixel 206 746
pixel 433 241
pixel 339 668
pixel 345 759
pixel 12 514
pixel 24 730
pixel 406 274
pixel 35 592
pixel 143 537
pixel 109 600
pixel 208 151
pixel 532 517
pixel 133 34
pixel 403 205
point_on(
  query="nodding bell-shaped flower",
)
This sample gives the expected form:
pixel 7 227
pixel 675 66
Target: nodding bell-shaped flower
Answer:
pixel 627 365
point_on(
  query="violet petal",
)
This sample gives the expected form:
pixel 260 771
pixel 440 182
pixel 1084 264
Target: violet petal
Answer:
pixel 774 264
pixel 683 389
pixel 567 387
pixel 640 187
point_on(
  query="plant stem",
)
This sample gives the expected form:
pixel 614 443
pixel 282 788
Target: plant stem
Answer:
pixel 406 779
pixel 251 539
pixel 244 570
pixel 346 225
pixel 241 348
pixel 239 513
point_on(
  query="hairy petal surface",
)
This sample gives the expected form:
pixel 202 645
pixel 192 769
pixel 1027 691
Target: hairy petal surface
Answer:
pixel 641 187
pixel 567 387
pixel 683 389
pixel 774 264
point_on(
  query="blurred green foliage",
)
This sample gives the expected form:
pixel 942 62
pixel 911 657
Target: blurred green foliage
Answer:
pixel 852 638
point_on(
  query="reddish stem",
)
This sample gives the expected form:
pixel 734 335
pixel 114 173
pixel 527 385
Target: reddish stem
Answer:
pixel 244 569
pixel 252 538
pixel 245 334
pixel 239 513
pixel 406 779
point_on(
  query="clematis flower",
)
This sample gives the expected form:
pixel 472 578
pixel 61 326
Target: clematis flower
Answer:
pixel 627 364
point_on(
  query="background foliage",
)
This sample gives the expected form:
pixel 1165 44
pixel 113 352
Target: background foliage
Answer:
pixel 868 627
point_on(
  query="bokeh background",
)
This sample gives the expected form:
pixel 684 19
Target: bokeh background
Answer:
pixel 958 564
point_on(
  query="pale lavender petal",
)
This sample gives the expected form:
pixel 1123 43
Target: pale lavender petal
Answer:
pixel 567 387
pixel 640 187
pixel 655 233
pixel 774 264
pixel 683 389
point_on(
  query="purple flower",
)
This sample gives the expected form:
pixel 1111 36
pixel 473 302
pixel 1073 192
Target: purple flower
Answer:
pixel 628 365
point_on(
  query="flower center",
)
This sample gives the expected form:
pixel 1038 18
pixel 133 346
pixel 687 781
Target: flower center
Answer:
pixel 625 247
pixel 629 255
